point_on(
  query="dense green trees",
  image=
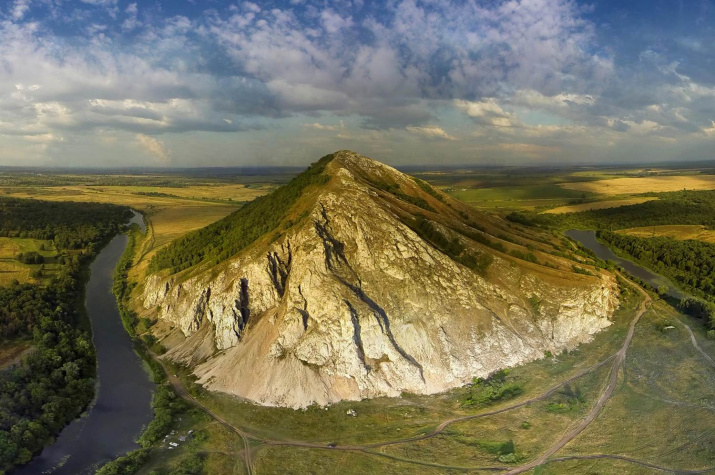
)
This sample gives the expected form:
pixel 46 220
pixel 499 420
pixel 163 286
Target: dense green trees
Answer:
pixel 55 382
pixel 70 225
pixel 689 263
pixel 31 257
pixel 699 309
pixel 681 207
pixel 225 238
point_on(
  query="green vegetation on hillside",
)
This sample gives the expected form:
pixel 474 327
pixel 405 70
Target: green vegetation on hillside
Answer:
pixel 495 388
pixel 451 247
pixel 223 239
pixel 394 189
pixel 681 207
pixel 427 188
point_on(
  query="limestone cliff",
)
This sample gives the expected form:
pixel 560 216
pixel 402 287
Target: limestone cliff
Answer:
pixel 374 285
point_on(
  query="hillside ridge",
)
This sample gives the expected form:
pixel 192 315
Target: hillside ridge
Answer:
pixel 370 284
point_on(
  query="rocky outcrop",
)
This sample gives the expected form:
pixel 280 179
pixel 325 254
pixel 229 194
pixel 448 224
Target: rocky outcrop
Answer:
pixel 351 303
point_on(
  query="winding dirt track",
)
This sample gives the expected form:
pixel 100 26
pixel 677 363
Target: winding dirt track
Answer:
pixel 695 344
pixel 184 394
pixel 605 395
pixel 618 357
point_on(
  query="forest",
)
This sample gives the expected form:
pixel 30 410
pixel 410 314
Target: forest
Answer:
pixel 70 225
pixel 55 382
pixel 679 207
pixel 225 238
pixel 689 263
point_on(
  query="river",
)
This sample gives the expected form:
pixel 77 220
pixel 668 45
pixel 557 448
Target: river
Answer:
pixel 122 407
pixel 588 240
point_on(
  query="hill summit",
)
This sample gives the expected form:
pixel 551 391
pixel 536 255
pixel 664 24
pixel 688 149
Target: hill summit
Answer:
pixel 355 280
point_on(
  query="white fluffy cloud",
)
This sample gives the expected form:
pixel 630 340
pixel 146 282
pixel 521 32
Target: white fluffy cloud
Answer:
pixel 155 148
pixel 515 71
pixel 430 131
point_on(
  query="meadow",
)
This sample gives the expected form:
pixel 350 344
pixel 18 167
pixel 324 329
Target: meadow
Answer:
pixel 682 232
pixel 636 185
pixel 560 191
pixel 12 269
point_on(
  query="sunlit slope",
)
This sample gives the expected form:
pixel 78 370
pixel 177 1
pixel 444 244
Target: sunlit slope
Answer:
pixel 356 280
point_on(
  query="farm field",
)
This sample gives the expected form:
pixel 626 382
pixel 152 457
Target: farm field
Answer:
pixel 680 232
pixel 526 196
pixel 172 211
pixel 564 190
pixel 636 185
pixel 600 205
pixel 11 269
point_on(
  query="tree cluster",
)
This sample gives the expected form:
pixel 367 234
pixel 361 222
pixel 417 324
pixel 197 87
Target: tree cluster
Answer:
pixel 70 225
pixel 680 207
pixel 52 385
pixel 690 263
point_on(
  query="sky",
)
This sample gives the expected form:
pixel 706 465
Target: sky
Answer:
pixel 181 83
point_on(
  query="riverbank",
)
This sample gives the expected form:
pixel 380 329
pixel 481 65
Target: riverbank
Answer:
pixel 588 240
pixel 122 406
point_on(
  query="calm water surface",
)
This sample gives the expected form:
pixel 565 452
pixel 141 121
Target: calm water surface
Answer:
pixel 588 240
pixel 124 391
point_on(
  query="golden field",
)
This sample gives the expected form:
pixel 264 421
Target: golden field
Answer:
pixel 632 186
pixel 679 232
pixel 599 205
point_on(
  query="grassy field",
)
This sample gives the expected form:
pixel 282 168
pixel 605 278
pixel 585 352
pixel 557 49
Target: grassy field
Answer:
pixel 12 269
pixel 12 351
pixel 600 205
pixel 662 411
pixel 680 232
pixel 633 186
pixel 526 196
pixel 172 211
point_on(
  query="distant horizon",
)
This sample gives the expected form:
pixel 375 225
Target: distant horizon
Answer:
pixel 707 164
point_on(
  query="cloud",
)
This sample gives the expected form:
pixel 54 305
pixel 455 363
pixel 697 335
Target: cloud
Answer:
pixel 535 72
pixel 432 132
pixel 19 8
pixel 331 128
pixel 154 148
pixel 487 112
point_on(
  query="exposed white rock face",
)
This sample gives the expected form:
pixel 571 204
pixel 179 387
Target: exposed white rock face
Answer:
pixel 352 303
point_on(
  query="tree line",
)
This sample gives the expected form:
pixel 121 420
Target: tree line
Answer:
pixel 54 383
pixel 689 263
pixel 679 207
pixel 70 225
